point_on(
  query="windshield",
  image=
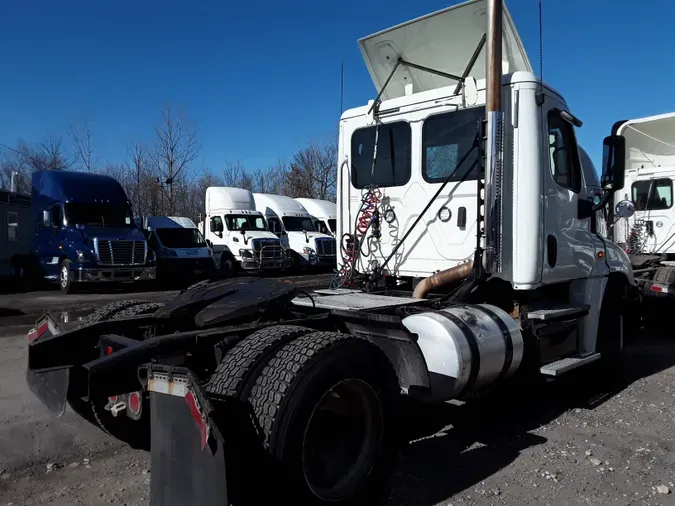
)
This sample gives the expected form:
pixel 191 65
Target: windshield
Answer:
pixel 99 215
pixel 180 237
pixel 296 224
pixel 237 221
pixel 333 225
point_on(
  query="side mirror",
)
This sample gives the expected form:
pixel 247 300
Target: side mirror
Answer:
pixel 219 227
pixel 47 218
pixel 624 209
pixel 613 162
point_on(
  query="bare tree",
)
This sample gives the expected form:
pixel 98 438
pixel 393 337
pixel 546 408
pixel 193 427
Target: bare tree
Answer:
pixel 313 172
pixel 81 135
pixel 138 158
pixel 270 180
pixel 176 147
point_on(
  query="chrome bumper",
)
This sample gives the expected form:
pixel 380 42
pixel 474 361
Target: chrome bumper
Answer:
pixel 98 274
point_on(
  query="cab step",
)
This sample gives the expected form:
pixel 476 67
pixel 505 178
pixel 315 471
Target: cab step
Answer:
pixel 560 367
pixel 558 311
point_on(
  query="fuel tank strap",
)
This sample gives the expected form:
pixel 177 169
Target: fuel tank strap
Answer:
pixel 508 340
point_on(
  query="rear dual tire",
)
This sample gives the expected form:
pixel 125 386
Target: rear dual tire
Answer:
pixel 324 409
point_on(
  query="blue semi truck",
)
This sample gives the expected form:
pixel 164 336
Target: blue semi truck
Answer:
pixel 84 231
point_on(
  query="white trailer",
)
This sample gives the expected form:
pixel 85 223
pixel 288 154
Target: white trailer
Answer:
pixel 324 212
pixel 643 216
pixel 239 234
pixel 295 227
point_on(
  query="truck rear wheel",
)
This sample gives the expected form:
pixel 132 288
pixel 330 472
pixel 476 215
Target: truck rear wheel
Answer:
pixel 326 404
pixel 135 430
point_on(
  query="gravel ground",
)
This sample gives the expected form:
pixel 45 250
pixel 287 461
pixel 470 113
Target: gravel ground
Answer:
pixel 584 440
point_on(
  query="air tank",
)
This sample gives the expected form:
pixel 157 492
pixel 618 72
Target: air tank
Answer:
pixel 466 347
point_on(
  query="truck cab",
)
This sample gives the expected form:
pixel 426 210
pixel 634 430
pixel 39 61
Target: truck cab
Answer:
pixel 426 129
pixel 180 248
pixel 85 232
pixel 239 234
pixel 650 171
pixel 324 213
pixel 296 228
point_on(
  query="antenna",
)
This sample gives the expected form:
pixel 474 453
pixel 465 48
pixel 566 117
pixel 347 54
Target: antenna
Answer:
pixel 541 46
pixel 342 86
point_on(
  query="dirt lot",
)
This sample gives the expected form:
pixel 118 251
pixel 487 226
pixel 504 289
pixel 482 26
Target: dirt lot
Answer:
pixel 584 440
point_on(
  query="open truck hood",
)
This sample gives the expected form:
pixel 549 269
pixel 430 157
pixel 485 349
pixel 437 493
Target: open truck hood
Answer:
pixel 444 40
pixel 650 142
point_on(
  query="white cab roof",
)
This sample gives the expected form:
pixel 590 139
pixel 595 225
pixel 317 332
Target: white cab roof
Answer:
pixel 227 198
pixel 650 141
pixel 159 222
pixel 319 208
pixel 280 205
pixel 444 40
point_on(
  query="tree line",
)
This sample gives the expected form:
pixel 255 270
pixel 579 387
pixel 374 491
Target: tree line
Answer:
pixel 160 176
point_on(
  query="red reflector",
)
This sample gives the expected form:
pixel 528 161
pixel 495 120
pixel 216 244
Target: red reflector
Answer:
pixel 38 331
pixel 135 403
pixel 109 350
pixel 657 288
pixel 194 411
pixel 113 399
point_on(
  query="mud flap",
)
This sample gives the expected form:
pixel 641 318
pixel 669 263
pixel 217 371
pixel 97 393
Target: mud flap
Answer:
pixel 51 387
pixel 187 449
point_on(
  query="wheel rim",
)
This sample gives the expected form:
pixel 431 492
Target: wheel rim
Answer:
pixel 341 440
pixel 64 276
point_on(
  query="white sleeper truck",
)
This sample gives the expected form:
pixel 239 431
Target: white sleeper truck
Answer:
pixel 239 234
pixel 473 256
pixel 324 213
pixel 291 222
pixel 642 213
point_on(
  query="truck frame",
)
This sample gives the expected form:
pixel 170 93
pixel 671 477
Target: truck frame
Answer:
pixel 246 377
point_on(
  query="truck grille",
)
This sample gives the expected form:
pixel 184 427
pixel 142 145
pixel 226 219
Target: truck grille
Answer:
pixel 325 247
pixel 268 248
pixel 121 252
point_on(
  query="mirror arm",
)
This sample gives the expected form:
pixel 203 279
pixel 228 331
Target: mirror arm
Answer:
pixel 603 202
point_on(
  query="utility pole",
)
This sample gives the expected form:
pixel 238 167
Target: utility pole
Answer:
pixel 495 143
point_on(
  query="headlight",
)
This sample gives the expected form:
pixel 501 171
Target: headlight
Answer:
pixel 169 252
pixel 307 251
pixel 83 256
pixel 151 256
pixel 246 253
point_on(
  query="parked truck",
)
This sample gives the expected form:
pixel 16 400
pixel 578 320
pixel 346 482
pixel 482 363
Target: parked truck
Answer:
pixel 642 215
pixel 179 247
pixel 83 231
pixel 295 226
pixel 249 381
pixel 324 213
pixel 239 234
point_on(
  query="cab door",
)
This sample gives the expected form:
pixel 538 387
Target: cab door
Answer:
pixel 568 249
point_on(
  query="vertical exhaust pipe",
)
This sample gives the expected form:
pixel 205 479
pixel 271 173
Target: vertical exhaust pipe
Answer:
pixel 495 139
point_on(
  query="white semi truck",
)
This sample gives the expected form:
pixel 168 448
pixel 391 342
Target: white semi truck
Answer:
pixel 642 215
pixel 324 213
pixel 239 234
pixel 295 227
pixel 477 188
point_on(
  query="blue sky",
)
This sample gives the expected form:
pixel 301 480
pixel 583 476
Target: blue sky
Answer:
pixel 261 78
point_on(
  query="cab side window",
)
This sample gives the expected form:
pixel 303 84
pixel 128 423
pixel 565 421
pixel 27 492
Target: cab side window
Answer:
pixel 563 154
pixel 275 225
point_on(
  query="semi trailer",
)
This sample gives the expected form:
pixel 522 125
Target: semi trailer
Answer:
pixel 480 268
